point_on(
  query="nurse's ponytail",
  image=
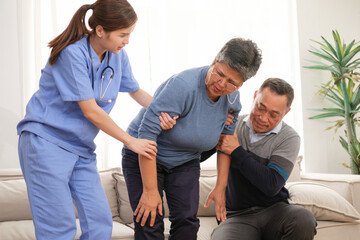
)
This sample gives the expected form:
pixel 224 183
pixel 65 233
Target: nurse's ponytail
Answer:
pixel 110 14
pixel 74 32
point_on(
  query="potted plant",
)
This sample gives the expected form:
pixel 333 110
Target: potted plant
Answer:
pixel 342 90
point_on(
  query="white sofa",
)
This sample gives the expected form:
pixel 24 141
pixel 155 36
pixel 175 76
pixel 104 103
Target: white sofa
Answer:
pixel 330 196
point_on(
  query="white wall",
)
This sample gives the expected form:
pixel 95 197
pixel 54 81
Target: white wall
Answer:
pixel 11 109
pixel 317 18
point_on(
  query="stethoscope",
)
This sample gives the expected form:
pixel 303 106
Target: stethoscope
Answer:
pixel 102 94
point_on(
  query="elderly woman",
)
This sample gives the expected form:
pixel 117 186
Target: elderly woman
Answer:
pixel 202 98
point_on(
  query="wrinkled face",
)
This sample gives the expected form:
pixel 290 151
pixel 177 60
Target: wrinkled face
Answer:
pixel 114 41
pixel 222 80
pixel 268 110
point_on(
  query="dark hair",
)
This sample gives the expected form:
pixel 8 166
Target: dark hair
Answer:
pixel 110 14
pixel 280 87
pixel 241 55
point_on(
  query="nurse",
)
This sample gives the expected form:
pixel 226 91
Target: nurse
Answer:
pixel 77 90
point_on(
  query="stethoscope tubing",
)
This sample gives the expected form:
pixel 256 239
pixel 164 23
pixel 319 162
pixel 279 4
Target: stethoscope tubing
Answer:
pixel 102 74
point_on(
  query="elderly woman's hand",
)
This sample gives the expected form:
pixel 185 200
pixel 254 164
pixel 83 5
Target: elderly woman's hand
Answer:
pixel 149 203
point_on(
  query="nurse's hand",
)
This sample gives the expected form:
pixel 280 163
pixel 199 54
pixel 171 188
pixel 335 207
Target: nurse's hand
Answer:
pixel 166 122
pixel 218 196
pixel 149 203
pixel 143 147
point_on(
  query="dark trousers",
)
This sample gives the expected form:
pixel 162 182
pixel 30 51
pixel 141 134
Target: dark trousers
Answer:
pixel 181 186
pixel 279 221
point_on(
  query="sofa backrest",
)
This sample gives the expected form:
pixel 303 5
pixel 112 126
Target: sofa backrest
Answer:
pixel 14 203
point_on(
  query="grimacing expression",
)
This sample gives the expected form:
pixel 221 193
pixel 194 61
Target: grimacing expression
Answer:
pixel 268 110
pixel 222 80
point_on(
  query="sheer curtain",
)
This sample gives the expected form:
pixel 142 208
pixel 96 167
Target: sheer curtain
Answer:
pixel 171 36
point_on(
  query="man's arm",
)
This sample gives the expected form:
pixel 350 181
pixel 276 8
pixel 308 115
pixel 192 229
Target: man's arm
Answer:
pixel 269 179
pixel 266 179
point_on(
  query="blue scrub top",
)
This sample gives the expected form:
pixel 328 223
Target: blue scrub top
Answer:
pixel 53 112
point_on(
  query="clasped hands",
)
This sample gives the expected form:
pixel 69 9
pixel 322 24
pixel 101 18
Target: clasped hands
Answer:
pixel 147 148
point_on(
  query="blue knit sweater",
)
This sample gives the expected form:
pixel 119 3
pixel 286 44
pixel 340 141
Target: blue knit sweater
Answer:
pixel 200 123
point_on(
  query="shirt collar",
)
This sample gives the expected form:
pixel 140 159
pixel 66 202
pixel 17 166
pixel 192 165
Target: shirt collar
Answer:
pixel 254 137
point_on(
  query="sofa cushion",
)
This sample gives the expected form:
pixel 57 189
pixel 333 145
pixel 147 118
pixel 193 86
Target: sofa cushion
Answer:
pixel 14 200
pixel 323 202
pixel 330 230
pixel 16 230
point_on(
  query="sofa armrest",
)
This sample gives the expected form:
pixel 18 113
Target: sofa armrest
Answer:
pixel 346 185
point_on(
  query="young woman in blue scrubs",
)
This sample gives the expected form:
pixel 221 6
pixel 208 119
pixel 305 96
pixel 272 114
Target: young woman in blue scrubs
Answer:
pixel 77 90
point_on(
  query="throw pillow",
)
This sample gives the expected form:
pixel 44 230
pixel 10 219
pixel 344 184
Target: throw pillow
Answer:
pixel 125 211
pixel 323 202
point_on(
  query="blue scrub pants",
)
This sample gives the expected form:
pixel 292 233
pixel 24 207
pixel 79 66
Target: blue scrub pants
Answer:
pixel 55 180
pixel 181 185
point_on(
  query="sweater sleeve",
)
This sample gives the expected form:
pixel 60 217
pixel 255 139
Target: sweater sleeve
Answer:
pixel 173 97
pixel 266 179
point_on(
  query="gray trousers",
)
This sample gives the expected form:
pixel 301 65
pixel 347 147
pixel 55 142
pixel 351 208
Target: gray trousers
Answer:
pixel 279 221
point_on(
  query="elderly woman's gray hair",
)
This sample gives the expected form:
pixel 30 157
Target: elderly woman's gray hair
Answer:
pixel 241 55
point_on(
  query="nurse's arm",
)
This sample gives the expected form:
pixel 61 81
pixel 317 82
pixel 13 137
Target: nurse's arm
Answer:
pixel 150 200
pixel 103 121
pixel 141 97
pixel 144 99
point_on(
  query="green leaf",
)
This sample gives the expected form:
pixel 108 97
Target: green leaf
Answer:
pixel 324 67
pixel 347 58
pixel 330 47
pixel 321 55
pixel 338 46
pixel 334 59
pixel 355 100
pixel 355 49
pixel 315 62
pixel 350 87
pixel 344 144
pixel 326 115
pixel 345 95
pixel 329 110
pixel 320 67
pixel 341 104
pixel 327 52
pixel 347 50
pixel 333 95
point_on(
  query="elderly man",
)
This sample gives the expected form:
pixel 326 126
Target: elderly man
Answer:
pixel 263 152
